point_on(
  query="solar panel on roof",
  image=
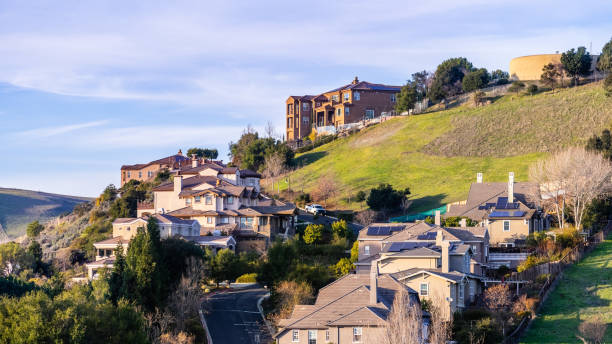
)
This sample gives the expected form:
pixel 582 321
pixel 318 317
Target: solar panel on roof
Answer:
pixel 383 230
pixel 402 246
pixel 507 214
pixel 427 236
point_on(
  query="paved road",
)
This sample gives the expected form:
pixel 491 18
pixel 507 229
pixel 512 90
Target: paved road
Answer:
pixel 325 220
pixel 233 318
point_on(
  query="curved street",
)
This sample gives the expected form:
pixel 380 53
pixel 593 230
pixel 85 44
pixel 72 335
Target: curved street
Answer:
pixel 232 317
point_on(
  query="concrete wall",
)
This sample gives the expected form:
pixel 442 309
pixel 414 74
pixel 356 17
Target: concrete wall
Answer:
pixel 530 67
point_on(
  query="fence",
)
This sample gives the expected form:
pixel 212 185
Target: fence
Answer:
pixel 554 269
pixel 418 216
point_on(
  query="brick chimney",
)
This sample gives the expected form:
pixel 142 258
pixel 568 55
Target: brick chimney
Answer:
pixel 374 283
pixel 445 256
pixel 178 183
pixel 355 81
pixel 437 218
pixel 510 187
pixel 479 177
pixel 194 161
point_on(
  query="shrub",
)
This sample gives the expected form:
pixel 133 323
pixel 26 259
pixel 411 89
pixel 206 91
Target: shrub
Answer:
pixel 343 267
pixel 608 85
pixel 384 197
pixel 532 89
pixel 530 262
pixel 303 199
pixel 247 278
pixel 594 329
pixel 313 234
pixel 516 87
pixel 34 229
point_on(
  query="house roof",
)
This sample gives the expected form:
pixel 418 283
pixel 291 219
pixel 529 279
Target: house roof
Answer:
pixel 481 194
pixel 211 240
pixel 112 241
pixel 367 86
pixel 190 182
pixel 174 161
pixel 452 276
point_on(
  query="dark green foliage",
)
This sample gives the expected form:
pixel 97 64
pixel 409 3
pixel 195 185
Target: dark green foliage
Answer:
pixel 14 258
pixel 303 199
pixel 203 153
pixel 407 97
pixel 38 266
pixel 499 74
pixel 131 193
pixel 607 85
pixel 602 144
pixel 532 89
pixel 73 316
pixel 109 194
pixel 549 75
pixel 384 197
pixel 478 325
pixel 77 257
pixel 162 176
pixel 95 232
pixel 516 87
pixel 225 266
pixel 448 77
pixel 605 59
pixel 319 141
pixel 576 62
pixel 316 275
pixel 420 80
pixel 251 151
pixel 454 221
pixel 280 256
pixel 475 80
pixel 12 286
pixel 361 196
pixel 175 253
pixel 34 229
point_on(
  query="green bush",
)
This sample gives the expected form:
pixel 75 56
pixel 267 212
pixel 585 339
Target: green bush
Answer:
pixel 608 85
pixel 247 278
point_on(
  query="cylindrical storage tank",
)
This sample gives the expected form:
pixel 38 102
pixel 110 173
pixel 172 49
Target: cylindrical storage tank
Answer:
pixel 530 67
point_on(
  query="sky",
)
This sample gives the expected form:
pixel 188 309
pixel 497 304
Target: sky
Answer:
pixel 87 86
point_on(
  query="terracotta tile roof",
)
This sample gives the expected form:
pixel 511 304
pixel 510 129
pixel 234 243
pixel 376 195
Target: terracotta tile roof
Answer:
pixel 367 86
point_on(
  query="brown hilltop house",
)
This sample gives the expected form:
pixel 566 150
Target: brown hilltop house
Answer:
pixel 148 171
pixel 350 103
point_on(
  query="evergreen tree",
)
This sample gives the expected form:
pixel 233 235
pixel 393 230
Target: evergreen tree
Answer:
pixel 577 63
pixel 115 280
pixel 605 59
pixel 407 97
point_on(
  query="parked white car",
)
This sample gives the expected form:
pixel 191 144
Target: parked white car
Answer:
pixel 315 209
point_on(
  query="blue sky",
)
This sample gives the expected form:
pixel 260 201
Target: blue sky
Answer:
pixel 86 86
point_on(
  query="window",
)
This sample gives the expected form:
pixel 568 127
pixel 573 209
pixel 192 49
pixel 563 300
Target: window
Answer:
pixel 312 336
pixel 347 96
pixel 356 96
pixel 369 113
pixel 230 200
pixel 335 97
pixel 129 174
pixel 346 111
pixel 506 226
pixel 263 221
pixel 393 98
pixel 424 290
pixel 150 174
pixel 466 263
pixel 290 108
pixel 357 334
pixel 474 249
pixel 305 120
pixel 339 112
pixel 198 199
pixel 461 291
pixel 246 222
pixel 208 200
pixel 209 219
pixel 367 250
pixel 295 336
pixel 187 201
pixel 327 335
pixel 225 219
pixel 318 104
pixel 288 122
pixel 305 106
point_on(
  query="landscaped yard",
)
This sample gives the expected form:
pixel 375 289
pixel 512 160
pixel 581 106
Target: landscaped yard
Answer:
pixel 584 291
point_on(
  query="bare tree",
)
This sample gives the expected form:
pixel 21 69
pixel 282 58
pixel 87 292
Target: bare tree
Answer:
pixel 270 131
pixel 158 323
pixel 185 300
pixel 289 294
pixel 593 329
pixel 440 328
pixel 498 298
pixel 406 203
pixel 326 187
pixel 366 217
pixel 404 322
pixel 573 177
pixel 274 167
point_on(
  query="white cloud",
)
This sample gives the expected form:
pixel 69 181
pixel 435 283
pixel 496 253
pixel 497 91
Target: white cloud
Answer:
pixel 54 131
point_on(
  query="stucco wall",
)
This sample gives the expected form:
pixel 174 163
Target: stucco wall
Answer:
pixel 518 230
pixel 393 265
pixel 530 67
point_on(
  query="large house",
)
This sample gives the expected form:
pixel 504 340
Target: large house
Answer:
pixel 509 210
pixel 148 171
pixel 350 103
pixel 224 200
pixel 442 263
pixel 352 309
pixel 124 229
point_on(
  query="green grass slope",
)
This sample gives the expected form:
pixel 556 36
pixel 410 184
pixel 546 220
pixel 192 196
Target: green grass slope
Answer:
pixel 584 291
pixel 20 207
pixel 438 154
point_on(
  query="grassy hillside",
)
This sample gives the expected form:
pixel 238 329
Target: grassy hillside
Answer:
pixel 20 207
pixel 585 290
pixel 438 155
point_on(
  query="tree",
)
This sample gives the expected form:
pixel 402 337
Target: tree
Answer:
pixel 275 268
pixel 185 299
pixel 594 329
pixel 325 188
pixel 605 59
pixel 385 198
pixel 223 266
pixel 274 167
pixel 475 80
pixel 608 85
pixel 360 196
pixel 313 233
pixel 498 298
pixel 35 251
pixel 577 63
pixel 366 217
pixel 448 77
pixel 341 229
pixel 404 323
pixel 343 267
pixel 355 251
pixel 251 151
pixel 498 75
pixel 407 97
pixel 13 258
pixel 532 89
pixel 287 295
pixel 207 153
pixel 574 177
pixel 549 75
pixel 516 87
pixel 478 97
pixel 421 82
pixel 270 132
pixel 33 229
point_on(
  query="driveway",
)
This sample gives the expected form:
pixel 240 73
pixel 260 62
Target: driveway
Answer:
pixel 232 317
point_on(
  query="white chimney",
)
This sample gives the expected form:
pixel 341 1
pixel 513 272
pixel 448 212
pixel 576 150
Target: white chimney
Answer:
pixel 439 237
pixel 437 219
pixel 445 256
pixel 479 177
pixel 374 283
pixel 510 187
pixel 463 223
pixel 178 183
pixel 194 161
